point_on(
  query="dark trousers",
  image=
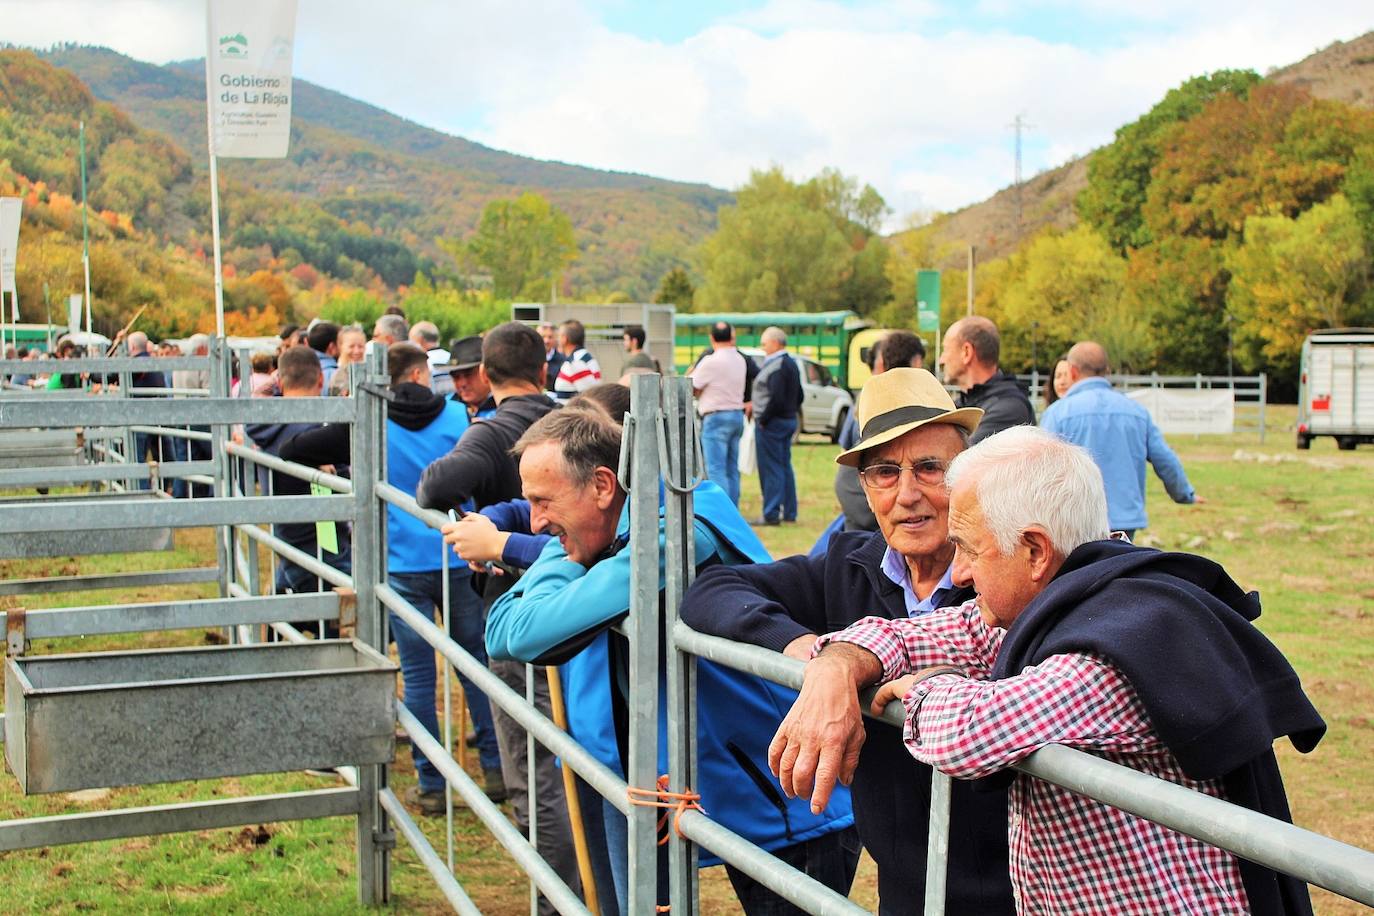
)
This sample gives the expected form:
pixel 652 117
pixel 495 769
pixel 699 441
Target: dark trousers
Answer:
pixel 831 859
pixel 425 590
pixel 773 443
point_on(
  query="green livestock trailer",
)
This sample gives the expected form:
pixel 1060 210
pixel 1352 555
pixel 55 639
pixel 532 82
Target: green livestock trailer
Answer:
pixel 823 336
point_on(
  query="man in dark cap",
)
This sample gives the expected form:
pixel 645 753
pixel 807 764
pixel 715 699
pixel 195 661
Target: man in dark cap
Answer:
pixel 470 386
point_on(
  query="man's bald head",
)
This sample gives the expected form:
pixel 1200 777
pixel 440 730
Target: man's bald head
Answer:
pixel 138 342
pixel 1089 358
pixel 971 352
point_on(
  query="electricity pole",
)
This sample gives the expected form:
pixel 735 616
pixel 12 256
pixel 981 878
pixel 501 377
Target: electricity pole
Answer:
pixel 1018 125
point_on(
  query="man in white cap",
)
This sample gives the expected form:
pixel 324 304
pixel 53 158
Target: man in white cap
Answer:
pixel 909 432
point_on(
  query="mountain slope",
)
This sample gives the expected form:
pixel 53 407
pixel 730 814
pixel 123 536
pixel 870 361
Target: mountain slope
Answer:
pixel 1342 71
pixel 412 184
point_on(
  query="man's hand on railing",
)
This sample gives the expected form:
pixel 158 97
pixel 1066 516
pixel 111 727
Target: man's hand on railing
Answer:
pixel 800 648
pixel 819 741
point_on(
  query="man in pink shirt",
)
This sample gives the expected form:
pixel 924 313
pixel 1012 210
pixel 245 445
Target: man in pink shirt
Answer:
pixel 718 381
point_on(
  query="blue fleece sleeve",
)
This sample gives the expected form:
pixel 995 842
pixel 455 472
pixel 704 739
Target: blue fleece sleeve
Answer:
pixel 557 600
pixel 512 515
pixel 1167 466
pixel 522 548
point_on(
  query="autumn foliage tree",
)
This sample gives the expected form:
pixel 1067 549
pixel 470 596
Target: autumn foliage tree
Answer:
pixel 525 243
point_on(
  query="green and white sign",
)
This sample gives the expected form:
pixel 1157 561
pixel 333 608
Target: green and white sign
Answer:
pixel 927 300
pixel 10 208
pixel 248 76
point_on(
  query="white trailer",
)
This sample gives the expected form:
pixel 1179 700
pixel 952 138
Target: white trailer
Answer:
pixel 1336 388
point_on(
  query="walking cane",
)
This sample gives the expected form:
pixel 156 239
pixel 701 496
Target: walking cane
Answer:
pixel 579 831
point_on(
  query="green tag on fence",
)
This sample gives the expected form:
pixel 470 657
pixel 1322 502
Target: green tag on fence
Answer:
pixel 327 533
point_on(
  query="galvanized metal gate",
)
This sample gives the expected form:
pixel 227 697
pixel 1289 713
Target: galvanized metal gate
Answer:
pixel 660 445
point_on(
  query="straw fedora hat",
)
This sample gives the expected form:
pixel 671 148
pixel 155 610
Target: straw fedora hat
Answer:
pixel 896 402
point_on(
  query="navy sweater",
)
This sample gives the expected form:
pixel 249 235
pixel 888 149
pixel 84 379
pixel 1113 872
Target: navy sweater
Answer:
pixel 1216 689
pixel 771 604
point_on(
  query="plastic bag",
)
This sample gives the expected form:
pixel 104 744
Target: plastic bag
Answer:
pixel 748 457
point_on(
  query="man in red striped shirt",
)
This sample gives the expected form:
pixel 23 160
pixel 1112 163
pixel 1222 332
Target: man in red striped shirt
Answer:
pixel 580 370
pixel 1147 659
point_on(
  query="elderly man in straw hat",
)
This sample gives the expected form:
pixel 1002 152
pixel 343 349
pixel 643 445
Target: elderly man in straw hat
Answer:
pixel 909 432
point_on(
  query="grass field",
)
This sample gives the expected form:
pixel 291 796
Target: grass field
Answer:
pixel 1290 524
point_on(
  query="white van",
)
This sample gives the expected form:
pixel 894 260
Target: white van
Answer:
pixel 1336 388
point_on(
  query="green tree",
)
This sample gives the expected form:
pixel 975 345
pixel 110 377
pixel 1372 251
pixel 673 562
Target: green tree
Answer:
pixel 1062 288
pixel 1293 276
pixel 1119 174
pixel 524 243
pixel 676 288
pixel 796 247
pixel 1178 284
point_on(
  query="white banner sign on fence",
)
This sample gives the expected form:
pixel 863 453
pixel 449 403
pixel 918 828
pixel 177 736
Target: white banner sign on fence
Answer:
pixel 249 90
pixel 74 304
pixel 10 209
pixel 1182 410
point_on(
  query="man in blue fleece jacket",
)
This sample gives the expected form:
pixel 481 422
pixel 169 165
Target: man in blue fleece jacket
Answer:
pixel 561 609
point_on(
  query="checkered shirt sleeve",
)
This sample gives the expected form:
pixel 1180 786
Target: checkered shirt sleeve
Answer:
pixel 1068 853
pixel 950 636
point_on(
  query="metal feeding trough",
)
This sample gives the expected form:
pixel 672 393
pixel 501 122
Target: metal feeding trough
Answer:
pixel 82 542
pixel 132 718
pixel 48 448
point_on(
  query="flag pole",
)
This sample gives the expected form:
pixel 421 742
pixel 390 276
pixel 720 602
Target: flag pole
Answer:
pixel 85 234
pixel 214 175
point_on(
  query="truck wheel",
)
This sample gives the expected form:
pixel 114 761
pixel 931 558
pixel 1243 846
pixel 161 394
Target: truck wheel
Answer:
pixel 1304 441
pixel 1346 443
pixel 839 425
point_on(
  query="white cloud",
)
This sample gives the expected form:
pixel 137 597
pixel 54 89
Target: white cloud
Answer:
pixel 870 88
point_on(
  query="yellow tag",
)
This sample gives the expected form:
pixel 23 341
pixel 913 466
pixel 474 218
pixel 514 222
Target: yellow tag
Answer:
pixel 326 533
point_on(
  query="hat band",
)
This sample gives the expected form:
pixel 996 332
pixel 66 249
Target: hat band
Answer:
pixel 900 417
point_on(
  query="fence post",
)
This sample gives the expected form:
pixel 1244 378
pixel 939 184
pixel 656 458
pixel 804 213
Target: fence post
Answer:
pixel 369 546
pixel 1263 398
pixel 642 626
pixel 219 388
pixel 684 468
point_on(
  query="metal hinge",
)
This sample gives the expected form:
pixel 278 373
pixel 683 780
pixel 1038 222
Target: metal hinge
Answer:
pixel 15 641
pixel 385 839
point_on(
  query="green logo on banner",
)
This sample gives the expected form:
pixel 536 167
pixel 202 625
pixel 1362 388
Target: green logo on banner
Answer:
pixel 233 45
pixel 928 300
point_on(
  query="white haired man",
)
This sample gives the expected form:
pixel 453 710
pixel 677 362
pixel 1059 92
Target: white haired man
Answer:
pixel 777 401
pixel 1147 659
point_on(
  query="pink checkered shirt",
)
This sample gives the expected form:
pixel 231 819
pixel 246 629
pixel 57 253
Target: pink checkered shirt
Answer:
pixel 1068 853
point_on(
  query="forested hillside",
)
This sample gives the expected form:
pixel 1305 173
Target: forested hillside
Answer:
pixel 365 197
pixel 1217 229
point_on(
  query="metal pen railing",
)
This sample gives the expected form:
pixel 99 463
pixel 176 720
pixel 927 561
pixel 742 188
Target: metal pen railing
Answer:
pixel 660 449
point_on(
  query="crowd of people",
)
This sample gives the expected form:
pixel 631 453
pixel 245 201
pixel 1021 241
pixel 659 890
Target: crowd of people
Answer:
pixel 981 573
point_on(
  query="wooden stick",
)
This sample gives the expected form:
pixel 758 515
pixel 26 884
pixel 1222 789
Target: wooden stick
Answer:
pixel 579 829
pixel 137 315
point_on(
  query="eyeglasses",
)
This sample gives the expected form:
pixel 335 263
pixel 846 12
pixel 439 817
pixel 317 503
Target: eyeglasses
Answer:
pixel 885 476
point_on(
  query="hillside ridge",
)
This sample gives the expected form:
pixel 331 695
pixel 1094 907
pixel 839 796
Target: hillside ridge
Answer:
pixel 1342 71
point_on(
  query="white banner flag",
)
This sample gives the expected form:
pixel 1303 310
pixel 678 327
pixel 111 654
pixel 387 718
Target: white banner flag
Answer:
pixel 10 208
pixel 248 77
pixel 1189 410
pixel 74 304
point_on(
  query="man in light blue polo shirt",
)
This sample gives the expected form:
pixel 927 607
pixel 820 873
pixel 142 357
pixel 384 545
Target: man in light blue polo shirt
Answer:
pixel 1119 434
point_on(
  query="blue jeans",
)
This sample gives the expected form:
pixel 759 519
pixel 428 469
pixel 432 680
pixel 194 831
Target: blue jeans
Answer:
pixel 618 851
pixel 178 449
pixel 295 579
pixel 143 443
pixel 425 591
pixel 774 445
pixel 720 432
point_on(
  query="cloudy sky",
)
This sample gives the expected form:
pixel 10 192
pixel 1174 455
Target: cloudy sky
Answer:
pixel 915 97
